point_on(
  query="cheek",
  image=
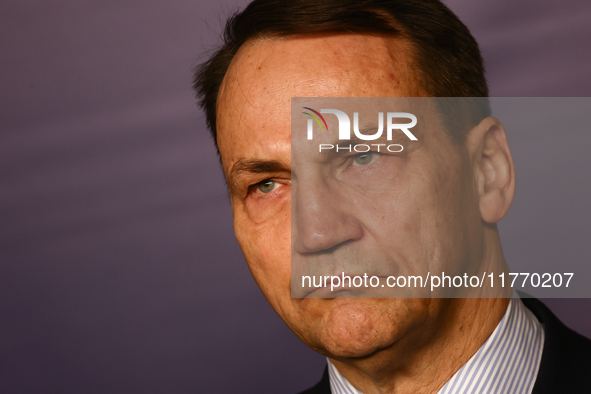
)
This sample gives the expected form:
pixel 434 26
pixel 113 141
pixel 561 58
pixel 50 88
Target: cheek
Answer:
pixel 266 246
pixel 446 215
pixel 265 210
pixel 424 214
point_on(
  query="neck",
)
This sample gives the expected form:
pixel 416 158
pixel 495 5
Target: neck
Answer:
pixel 423 365
pixel 425 359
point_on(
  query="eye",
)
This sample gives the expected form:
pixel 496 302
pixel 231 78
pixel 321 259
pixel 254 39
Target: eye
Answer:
pixel 266 186
pixel 363 159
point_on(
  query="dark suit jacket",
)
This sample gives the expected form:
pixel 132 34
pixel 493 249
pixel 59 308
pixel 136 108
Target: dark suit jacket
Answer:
pixel 566 358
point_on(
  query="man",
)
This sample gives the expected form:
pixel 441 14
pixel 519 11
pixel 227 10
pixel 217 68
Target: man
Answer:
pixel 442 199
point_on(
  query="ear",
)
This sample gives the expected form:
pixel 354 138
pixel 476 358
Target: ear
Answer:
pixel 494 170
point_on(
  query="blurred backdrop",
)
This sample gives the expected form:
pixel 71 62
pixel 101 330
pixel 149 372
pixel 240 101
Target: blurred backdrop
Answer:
pixel 119 271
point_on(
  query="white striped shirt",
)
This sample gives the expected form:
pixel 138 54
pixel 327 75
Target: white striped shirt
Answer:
pixel 507 362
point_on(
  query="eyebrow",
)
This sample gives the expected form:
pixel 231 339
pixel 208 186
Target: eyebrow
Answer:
pixel 251 166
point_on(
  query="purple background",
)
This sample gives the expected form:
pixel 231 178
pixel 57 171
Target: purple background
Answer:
pixel 119 271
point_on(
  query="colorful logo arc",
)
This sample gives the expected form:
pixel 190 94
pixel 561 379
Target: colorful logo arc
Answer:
pixel 315 118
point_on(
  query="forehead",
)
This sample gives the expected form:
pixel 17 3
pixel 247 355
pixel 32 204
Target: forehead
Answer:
pixel 253 109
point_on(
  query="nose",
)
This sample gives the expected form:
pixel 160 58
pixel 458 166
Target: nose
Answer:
pixel 320 219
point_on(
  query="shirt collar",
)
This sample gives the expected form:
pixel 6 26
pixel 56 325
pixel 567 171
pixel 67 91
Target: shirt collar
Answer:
pixel 507 362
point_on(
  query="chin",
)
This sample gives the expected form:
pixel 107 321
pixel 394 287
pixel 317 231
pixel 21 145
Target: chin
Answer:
pixel 354 328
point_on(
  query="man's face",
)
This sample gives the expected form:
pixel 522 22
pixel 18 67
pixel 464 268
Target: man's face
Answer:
pixel 424 214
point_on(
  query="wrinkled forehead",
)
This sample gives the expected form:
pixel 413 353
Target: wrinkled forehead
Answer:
pixel 256 93
pixel 299 63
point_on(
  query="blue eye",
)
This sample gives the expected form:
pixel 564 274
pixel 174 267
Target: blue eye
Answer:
pixel 266 186
pixel 363 159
